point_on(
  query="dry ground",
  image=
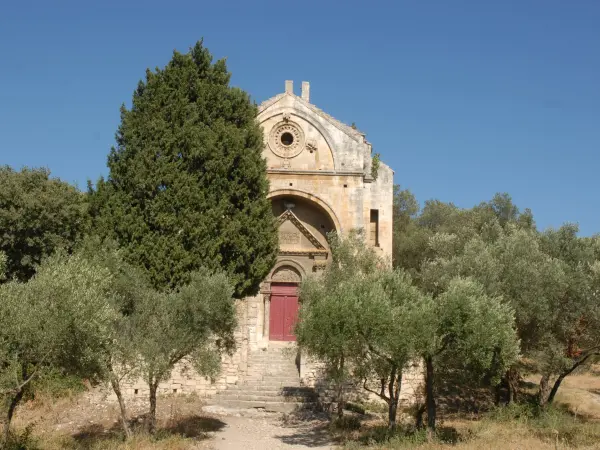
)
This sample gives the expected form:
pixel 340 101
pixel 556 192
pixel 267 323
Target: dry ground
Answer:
pixel 89 421
pixel 579 427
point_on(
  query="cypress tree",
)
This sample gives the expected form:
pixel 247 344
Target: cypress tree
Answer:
pixel 187 185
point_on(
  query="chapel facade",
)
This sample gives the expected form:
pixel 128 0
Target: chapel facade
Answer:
pixel 321 180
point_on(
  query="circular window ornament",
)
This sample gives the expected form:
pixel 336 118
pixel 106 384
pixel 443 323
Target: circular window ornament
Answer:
pixel 286 139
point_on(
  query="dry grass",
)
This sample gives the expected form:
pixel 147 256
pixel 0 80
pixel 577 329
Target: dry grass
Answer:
pixel 574 422
pixel 555 432
pixel 90 422
pixel 139 442
pixel 579 393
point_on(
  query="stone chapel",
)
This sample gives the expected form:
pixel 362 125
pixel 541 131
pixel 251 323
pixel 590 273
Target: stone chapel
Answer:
pixel 321 180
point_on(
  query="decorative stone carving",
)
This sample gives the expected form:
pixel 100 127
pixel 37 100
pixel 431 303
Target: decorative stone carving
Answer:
pixel 311 145
pixel 286 274
pixel 287 237
pixel 286 117
pixel 289 215
pixel 319 265
pixel 286 139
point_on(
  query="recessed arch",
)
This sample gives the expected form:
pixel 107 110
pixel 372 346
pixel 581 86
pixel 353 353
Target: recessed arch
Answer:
pixel 283 262
pixel 313 198
pixel 286 273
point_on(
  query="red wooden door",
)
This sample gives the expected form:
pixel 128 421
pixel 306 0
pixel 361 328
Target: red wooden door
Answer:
pixel 284 312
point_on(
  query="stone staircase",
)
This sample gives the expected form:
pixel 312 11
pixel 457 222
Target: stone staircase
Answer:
pixel 272 383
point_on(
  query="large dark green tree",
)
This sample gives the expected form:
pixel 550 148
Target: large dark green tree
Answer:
pixel 38 215
pixel 187 184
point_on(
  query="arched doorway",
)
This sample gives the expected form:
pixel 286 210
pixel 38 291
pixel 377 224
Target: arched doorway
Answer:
pixel 303 248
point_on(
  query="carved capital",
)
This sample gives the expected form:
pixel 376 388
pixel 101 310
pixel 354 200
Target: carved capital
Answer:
pixel 319 265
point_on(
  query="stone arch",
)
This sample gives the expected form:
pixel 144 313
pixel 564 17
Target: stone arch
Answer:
pixel 313 198
pixel 308 118
pixel 286 274
pixel 290 265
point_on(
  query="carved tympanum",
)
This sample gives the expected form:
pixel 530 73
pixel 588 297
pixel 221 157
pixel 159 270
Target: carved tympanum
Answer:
pixel 286 274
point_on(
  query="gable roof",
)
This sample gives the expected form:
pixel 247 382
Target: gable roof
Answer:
pixel 352 132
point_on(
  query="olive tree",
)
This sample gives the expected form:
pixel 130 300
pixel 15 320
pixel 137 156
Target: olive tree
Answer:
pixel 193 324
pixel 359 319
pixel 468 329
pixel 325 308
pixel 550 279
pixel 573 331
pixel 118 358
pixel 58 320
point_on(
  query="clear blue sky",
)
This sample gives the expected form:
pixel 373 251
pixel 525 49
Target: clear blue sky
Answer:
pixel 462 98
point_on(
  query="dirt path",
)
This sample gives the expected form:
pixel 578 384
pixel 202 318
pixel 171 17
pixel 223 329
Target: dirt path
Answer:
pixel 262 430
pixel 92 417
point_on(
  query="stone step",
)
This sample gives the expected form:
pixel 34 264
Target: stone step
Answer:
pixel 267 390
pixel 261 398
pixel 266 369
pixel 274 373
pixel 271 357
pixel 269 386
pixel 278 378
pixel 285 407
pixel 265 395
pixel 272 362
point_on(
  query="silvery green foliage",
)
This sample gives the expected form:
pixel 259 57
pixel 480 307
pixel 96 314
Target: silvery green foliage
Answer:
pixel 176 324
pixel 379 322
pixel 476 329
pixel 194 324
pixel 548 278
pixel 59 320
pixel 359 319
pixel 331 305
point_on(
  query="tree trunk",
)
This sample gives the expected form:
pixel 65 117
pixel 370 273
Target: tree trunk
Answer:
pixel 567 372
pixel 153 385
pixel 512 380
pixel 544 390
pixel 419 416
pixel 11 411
pixel 497 394
pixel 114 382
pixel 13 406
pixel 555 388
pixel 340 393
pixel 394 388
pixel 429 397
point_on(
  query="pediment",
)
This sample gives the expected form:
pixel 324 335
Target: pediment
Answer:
pixel 294 236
